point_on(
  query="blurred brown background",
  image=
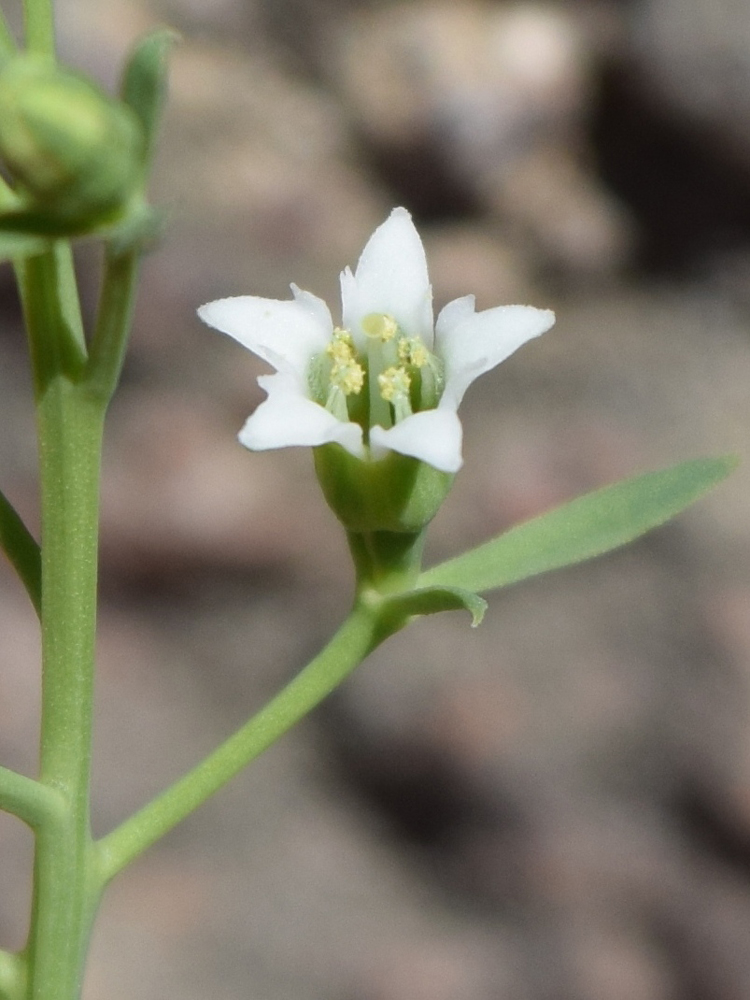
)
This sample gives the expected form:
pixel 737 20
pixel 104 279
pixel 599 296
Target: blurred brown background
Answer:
pixel 557 805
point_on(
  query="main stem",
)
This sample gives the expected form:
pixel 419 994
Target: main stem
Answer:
pixel 69 423
pixel 70 433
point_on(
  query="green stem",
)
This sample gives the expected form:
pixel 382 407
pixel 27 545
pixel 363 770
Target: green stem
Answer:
pixel 70 444
pixel 358 635
pixel 387 561
pixel 12 976
pixel 113 323
pixel 32 802
pixel 67 296
pixel 69 425
pixel 8 45
pixel 39 19
pixel 22 551
pixel 8 197
pixel 53 317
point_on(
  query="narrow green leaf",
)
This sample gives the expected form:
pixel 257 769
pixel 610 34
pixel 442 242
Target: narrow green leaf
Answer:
pixel 144 83
pixel 587 526
pixel 22 551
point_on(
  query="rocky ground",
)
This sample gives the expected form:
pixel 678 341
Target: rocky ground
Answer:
pixel 555 806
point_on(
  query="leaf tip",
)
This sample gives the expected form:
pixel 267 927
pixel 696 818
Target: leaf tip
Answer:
pixel 478 610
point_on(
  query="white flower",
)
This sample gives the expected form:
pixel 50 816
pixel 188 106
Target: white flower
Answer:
pixel 385 380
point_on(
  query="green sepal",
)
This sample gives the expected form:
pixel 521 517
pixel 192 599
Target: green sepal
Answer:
pixel 397 611
pixel 22 551
pixel 144 82
pixel 586 527
pixel 396 493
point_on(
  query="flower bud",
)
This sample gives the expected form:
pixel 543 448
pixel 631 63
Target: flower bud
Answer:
pixel 74 153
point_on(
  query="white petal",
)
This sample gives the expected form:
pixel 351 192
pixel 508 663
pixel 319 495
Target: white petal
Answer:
pixel 452 314
pixel 350 311
pixel 391 277
pixel 313 305
pixel 433 436
pixel 285 334
pixel 473 343
pixel 288 418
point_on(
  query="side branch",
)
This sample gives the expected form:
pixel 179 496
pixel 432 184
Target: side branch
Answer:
pixel 32 802
pixel 22 551
pixel 359 634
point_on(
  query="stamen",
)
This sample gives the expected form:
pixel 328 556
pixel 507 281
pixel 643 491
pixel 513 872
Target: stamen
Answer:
pixel 344 335
pixel 411 351
pixel 345 375
pixel 433 382
pixel 349 376
pixel 336 403
pixel 394 386
pixel 341 346
pixel 394 382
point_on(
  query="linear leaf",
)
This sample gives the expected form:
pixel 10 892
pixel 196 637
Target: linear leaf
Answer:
pixel 581 529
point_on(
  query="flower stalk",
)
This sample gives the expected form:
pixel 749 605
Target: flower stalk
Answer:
pixel 356 637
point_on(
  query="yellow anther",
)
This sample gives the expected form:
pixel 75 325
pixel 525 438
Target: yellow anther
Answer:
pixel 348 376
pixel 380 325
pixel 394 383
pixel 339 352
pixel 343 335
pixel 411 351
pixel 341 347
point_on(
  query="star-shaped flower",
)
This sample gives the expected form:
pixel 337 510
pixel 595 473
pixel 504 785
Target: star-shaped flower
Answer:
pixel 386 379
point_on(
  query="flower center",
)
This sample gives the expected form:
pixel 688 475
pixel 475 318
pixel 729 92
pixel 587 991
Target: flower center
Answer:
pixel 391 378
